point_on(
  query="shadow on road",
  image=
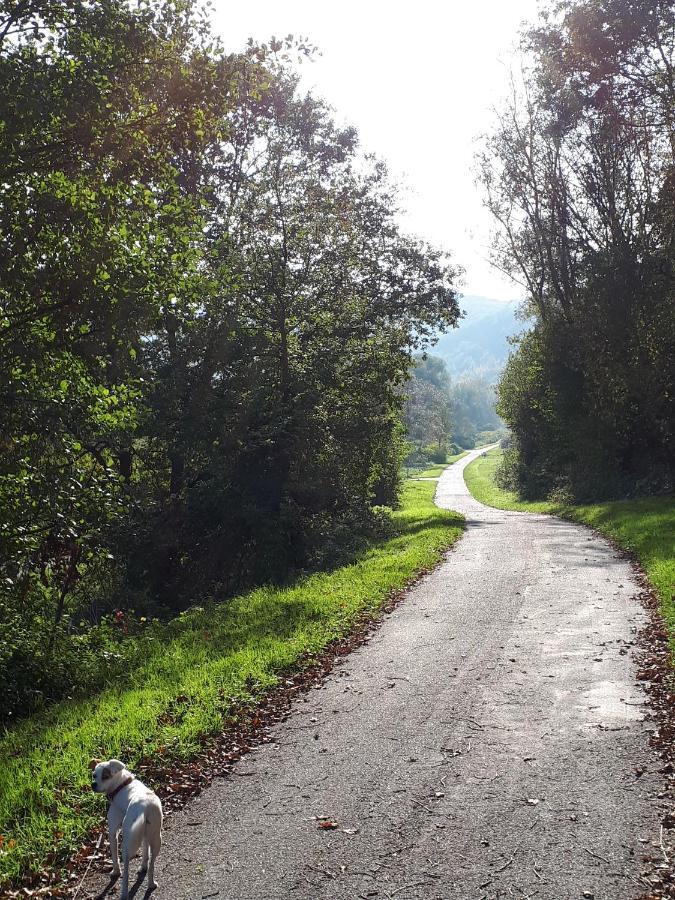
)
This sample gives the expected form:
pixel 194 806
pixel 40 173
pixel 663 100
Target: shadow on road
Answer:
pixel 133 890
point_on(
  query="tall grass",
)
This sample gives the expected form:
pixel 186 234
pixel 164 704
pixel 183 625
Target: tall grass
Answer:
pixel 196 670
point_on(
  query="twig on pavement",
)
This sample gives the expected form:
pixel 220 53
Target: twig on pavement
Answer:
pixel 596 855
pixel 506 865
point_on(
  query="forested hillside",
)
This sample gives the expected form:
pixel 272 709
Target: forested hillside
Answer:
pixel 579 174
pixel 479 346
pixel 207 312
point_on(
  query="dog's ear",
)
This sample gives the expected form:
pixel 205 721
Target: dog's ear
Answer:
pixel 116 766
pixel 93 763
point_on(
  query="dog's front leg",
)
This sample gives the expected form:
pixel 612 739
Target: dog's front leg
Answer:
pixel 114 823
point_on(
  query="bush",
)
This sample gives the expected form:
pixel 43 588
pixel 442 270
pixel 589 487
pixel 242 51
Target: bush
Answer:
pixel 465 441
pixel 436 454
pixel 561 495
pixel 582 421
pixel 416 458
pixel 39 665
pixel 489 436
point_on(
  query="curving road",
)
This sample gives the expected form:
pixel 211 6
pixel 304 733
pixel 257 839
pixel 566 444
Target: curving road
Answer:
pixel 483 744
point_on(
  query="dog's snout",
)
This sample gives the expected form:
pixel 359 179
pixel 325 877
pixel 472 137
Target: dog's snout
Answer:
pixel 93 785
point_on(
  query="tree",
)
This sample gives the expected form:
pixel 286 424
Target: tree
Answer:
pixel 207 312
pixel 316 301
pixel 106 112
pixel 578 174
pixel 427 410
pixel 472 403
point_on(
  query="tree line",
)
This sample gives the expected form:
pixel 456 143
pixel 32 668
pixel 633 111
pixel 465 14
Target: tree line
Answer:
pixel 443 417
pixel 207 317
pixel 579 174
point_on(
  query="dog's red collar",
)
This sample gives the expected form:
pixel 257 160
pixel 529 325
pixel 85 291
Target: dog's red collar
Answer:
pixel 119 787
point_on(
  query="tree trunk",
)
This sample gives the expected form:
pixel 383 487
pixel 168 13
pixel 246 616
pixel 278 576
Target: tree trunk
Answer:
pixel 177 472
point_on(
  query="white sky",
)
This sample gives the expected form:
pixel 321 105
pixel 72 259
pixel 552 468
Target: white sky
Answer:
pixel 418 81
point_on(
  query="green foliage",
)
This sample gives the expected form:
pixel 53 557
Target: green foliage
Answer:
pixel 436 410
pixel 578 173
pixel 492 436
pixel 99 206
pixel 582 421
pixel 644 525
pixel 207 311
pixel 188 676
pixel 473 411
pixel 437 454
pixel 427 409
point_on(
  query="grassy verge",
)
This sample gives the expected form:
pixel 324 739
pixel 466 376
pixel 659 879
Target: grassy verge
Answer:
pixel 437 471
pixel 645 526
pixel 196 670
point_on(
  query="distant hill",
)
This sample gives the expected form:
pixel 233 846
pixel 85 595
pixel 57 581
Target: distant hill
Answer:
pixel 479 346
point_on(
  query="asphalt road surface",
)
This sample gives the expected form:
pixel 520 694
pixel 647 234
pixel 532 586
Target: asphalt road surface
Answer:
pixel 483 744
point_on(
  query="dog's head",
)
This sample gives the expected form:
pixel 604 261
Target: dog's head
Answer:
pixel 106 775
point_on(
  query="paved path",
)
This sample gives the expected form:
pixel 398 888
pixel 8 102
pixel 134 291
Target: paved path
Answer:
pixel 482 745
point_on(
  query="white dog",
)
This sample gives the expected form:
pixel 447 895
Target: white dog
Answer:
pixel 138 811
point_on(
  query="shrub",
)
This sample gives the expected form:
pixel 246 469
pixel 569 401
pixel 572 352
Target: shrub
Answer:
pixel 416 458
pixel 41 662
pixel 436 454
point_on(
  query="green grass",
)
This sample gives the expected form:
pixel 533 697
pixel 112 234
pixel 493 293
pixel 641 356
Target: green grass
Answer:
pixel 206 663
pixel 437 471
pixel 645 526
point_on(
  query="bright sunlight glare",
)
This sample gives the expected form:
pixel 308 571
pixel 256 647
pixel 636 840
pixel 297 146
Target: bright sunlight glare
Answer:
pixel 419 81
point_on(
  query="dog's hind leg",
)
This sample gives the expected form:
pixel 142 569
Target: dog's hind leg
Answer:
pixel 145 852
pixel 124 894
pixel 155 847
